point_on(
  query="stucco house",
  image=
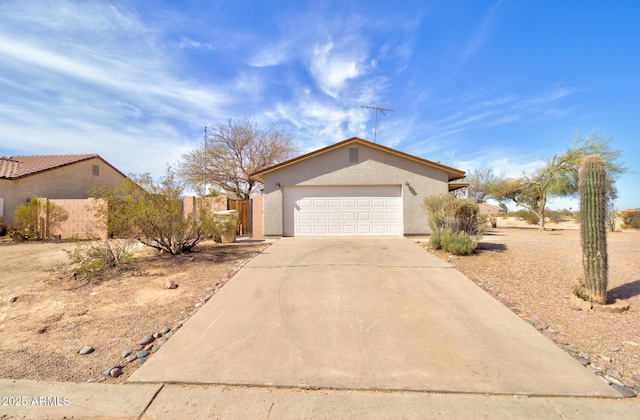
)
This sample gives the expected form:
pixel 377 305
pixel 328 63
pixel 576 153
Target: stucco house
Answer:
pixel 352 188
pixel 51 176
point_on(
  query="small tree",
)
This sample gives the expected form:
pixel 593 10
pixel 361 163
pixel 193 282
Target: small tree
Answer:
pixel 153 213
pixel 36 219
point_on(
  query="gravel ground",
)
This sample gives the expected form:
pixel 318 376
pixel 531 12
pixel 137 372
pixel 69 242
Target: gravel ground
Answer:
pixel 532 272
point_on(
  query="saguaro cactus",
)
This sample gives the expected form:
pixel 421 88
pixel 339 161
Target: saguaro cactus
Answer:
pixel 593 214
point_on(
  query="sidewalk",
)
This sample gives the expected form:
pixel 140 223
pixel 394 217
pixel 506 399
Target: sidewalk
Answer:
pixel 157 401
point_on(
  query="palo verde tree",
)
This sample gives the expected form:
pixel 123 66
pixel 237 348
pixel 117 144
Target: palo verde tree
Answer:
pixel 234 151
pixel 560 174
pixel 484 184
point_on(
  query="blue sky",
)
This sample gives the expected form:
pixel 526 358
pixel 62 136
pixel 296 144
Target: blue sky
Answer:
pixel 495 83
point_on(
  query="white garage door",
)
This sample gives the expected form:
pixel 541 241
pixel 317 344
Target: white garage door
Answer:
pixel 343 211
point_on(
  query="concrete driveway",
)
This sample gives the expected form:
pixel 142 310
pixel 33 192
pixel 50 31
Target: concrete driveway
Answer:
pixel 361 314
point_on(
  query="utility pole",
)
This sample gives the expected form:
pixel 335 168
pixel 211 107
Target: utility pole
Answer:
pixel 205 161
pixel 379 108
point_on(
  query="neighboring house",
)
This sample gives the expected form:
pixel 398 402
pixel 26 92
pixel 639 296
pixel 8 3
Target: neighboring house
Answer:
pixel 490 209
pixel 51 176
pixel 352 188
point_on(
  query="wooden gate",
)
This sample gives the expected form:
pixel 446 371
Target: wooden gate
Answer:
pixel 244 214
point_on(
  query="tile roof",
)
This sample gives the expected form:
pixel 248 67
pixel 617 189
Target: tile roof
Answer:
pixel 20 166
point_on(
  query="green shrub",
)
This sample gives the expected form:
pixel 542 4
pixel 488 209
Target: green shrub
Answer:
pixel 631 220
pixel 36 219
pixel 457 243
pixel 445 211
pixel 97 257
pixel 454 223
pixel 556 216
pixel 530 217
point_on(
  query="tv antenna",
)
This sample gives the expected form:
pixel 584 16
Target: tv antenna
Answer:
pixel 377 109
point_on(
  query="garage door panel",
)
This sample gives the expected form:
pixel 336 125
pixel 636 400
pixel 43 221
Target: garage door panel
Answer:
pixel 343 211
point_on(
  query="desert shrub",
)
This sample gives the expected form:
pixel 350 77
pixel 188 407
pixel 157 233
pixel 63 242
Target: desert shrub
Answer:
pixel 631 220
pixel 3 227
pixel 153 213
pixel 36 219
pixel 454 222
pixel 555 216
pixel 528 216
pixel 445 211
pixel 95 258
pixel 457 243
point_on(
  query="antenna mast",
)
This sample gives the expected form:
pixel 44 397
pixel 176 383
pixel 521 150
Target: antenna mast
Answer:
pixel 379 108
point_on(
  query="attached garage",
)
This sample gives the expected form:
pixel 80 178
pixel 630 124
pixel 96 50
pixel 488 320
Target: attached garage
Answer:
pixel 351 188
pixel 343 210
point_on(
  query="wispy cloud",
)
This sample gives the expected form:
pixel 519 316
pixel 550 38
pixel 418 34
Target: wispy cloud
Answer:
pixel 479 37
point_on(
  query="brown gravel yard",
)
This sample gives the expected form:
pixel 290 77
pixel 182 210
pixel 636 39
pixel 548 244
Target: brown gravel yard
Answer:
pixel 533 272
pixel 46 316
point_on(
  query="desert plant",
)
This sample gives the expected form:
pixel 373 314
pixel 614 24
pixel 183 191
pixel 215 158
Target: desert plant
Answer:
pixel 593 231
pixel 528 216
pixel 631 220
pixel 3 227
pixel 36 219
pixel 457 243
pixel 95 258
pixel 153 213
pixel 451 216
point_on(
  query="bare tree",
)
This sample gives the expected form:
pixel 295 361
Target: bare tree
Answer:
pixel 234 151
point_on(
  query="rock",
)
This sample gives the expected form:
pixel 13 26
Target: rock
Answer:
pixel 141 360
pixel 170 284
pixel 169 334
pixel 632 382
pixel 115 372
pixel 626 392
pixel 126 353
pixel 596 368
pixel 615 349
pixel 613 381
pixel 632 343
pixel 131 358
pixel 570 351
pixel 157 335
pixel 574 307
pixel 86 350
pixel 148 346
pixel 142 353
pixel 582 304
pixel 93 293
pixel 605 358
pixel 165 330
pixel 155 347
pixel 107 372
pixel 197 305
pixel 146 340
pixel 584 361
pixel 13 299
pixel 614 374
pixel 616 307
pixel 162 340
pixel 137 347
pixel 209 289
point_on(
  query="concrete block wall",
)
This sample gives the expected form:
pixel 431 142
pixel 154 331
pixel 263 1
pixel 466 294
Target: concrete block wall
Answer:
pixel 82 221
pixel 215 204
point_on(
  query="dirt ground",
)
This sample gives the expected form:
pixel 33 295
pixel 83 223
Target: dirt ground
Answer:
pixel 47 316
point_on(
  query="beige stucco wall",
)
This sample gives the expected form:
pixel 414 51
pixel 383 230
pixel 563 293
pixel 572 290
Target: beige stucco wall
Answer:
pixel 67 182
pixel 257 211
pixel 374 168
